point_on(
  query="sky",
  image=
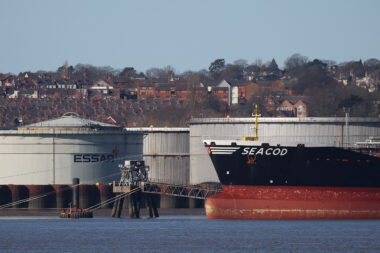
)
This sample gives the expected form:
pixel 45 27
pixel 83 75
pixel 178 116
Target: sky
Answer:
pixel 187 35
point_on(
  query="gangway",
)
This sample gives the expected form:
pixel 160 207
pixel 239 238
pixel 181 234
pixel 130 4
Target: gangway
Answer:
pixel 187 191
pixel 134 181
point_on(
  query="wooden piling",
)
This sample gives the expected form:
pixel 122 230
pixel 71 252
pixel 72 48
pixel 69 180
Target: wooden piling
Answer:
pixel 130 207
pixel 120 207
pixel 137 203
pixel 154 206
pixel 114 208
pixel 148 204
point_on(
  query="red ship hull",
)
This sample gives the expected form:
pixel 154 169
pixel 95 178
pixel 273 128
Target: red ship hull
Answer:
pixel 294 202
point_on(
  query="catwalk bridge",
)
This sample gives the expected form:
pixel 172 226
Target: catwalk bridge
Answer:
pixel 134 181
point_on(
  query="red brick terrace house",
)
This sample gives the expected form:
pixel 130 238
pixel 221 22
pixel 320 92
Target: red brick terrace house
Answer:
pixel 181 93
pixel 165 92
pixel 162 92
pixel 145 91
pixel 222 93
pixel 297 108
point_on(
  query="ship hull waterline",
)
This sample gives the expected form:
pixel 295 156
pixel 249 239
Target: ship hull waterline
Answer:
pixel 294 203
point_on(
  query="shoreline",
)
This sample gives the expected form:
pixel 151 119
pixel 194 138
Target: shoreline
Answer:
pixel 19 212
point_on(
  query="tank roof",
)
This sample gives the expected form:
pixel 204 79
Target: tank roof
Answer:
pixel 70 121
pixel 195 121
pixel 157 129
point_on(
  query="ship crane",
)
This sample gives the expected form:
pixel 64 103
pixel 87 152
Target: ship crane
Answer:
pixel 256 136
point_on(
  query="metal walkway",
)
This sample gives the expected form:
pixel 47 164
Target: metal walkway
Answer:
pixel 187 191
pixel 134 174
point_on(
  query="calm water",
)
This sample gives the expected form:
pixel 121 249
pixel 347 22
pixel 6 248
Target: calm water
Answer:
pixel 185 234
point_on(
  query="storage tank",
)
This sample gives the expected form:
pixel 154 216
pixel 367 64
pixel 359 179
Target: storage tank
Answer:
pixel 339 132
pixel 55 151
pixel 166 152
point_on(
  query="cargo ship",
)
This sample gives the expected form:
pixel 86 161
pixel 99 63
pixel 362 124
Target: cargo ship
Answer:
pixel 294 181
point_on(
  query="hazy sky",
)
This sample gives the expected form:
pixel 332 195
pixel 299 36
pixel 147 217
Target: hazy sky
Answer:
pixel 188 35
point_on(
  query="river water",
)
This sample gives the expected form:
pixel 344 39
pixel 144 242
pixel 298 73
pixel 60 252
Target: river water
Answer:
pixel 186 234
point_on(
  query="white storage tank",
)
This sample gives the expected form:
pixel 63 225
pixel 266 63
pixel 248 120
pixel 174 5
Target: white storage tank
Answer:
pixel 339 132
pixel 55 151
pixel 166 151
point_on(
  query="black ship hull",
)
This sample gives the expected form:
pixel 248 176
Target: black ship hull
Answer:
pixel 262 181
pixel 295 166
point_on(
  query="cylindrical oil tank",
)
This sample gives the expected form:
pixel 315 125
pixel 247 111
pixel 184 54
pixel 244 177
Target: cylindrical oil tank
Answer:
pixel 43 196
pixel 5 195
pixel 338 132
pixel 19 193
pixel 63 195
pixel 166 152
pixel 106 193
pixel 89 195
pixel 55 151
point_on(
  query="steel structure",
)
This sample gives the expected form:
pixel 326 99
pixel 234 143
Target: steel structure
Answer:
pixel 134 174
pixel 187 191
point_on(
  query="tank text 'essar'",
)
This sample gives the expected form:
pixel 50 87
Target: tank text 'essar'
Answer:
pixel 93 158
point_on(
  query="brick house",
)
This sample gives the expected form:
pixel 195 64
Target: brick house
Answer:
pixel 296 109
pixel 300 109
pixel 145 91
pixel 222 93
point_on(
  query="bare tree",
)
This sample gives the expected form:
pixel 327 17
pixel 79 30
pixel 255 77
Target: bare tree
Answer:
pixel 373 62
pixel 233 72
pixel 295 61
pixel 165 72
pixel 329 62
pixel 241 62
